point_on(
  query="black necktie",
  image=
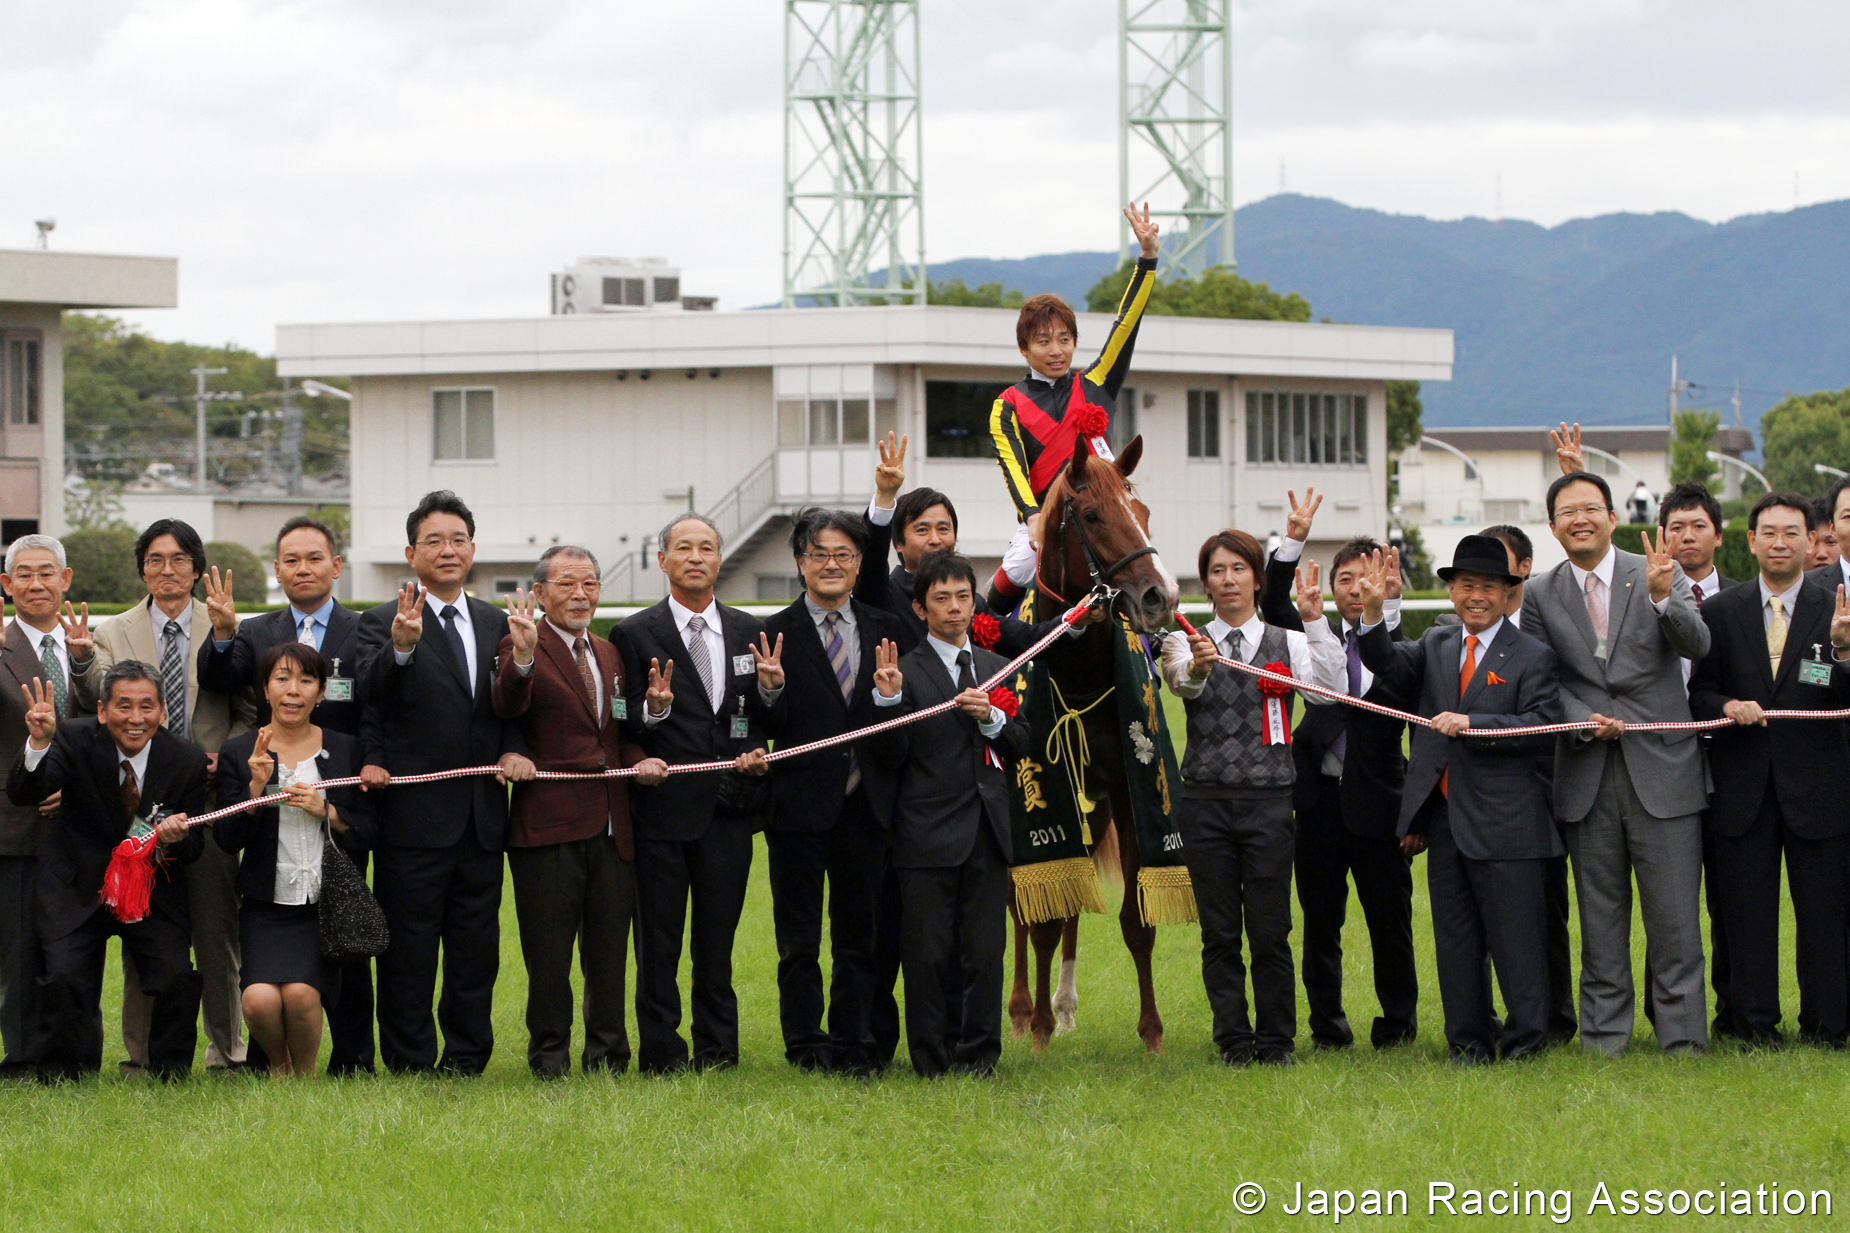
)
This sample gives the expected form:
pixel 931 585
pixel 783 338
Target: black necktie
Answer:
pixel 131 792
pixel 966 674
pixel 456 644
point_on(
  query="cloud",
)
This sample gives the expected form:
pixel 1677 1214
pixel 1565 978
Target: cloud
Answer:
pixel 1431 49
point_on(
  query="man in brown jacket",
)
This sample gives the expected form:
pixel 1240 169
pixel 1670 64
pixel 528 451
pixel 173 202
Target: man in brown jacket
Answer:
pixel 569 845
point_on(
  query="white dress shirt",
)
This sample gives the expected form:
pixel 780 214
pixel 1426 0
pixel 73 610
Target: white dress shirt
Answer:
pixel 298 839
pixel 714 639
pixel 34 640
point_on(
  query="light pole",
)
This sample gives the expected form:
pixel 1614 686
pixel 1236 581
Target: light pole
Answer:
pixel 200 399
pixel 1821 469
pixel 1731 460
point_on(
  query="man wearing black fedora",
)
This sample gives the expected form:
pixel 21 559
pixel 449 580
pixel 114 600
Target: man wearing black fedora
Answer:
pixel 1488 830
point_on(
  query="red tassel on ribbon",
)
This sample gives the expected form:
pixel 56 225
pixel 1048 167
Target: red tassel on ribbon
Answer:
pixel 128 882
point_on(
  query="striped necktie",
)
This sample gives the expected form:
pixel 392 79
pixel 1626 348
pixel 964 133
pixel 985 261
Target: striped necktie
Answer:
pixel 837 650
pixel 54 673
pixel 697 651
pixel 173 677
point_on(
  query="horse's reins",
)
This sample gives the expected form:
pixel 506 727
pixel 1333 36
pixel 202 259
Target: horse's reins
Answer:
pixel 1101 575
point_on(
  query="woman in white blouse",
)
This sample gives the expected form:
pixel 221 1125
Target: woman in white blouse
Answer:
pixel 285 980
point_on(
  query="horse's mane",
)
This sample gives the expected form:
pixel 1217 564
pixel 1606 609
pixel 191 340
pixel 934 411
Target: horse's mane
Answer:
pixel 1053 500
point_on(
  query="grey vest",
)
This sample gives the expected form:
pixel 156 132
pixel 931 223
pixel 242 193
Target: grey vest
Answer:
pixel 1226 728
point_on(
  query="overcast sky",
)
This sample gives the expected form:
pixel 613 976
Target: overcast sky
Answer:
pixel 350 160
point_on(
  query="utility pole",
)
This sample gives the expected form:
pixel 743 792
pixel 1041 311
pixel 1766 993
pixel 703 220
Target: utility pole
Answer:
pixel 292 440
pixel 200 399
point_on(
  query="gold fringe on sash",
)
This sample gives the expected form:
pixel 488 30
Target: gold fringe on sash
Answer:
pixel 1165 896
pixel 1055 890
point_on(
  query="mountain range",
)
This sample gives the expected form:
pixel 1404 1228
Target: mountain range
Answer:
pixel 1577 321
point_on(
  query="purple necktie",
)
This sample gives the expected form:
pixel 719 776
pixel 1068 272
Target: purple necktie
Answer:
pixel 1354 656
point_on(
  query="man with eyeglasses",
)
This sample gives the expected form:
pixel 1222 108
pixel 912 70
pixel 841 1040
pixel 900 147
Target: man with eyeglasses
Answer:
pixel 37 646
pixel 831 810
pixel 1620 625
pixel 570 847
pixel 166 633
pixel 426 704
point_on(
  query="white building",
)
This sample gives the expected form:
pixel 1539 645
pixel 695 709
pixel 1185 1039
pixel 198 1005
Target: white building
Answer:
pixel 36 287
pixel 598 428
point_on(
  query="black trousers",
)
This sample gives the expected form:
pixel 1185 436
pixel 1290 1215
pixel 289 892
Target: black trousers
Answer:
pixel 1563 990
pixel 1327 855
pixel 711 873
pixel 1817 874
pixel 71 1042
pixel 1494 908
pixel 954 922
pixel 578 893
pixel 350 1019
pixel 851 856
pixel 21 961
pixel 1239 854
pixel 438 902
pixel 889 946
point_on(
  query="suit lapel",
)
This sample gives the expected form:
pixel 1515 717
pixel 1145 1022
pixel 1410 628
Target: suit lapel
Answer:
pixel 434 626
pixel 1489 661
pixel 669 637
pixel 937 678
pixel 487 644
pixel 1573 602
pixel 565 662
pixel 1751 625
pixel 803 645
pixel 21 661
pixel 140 629
pixel 1628 586
pixel 1799 623
pixel 337 639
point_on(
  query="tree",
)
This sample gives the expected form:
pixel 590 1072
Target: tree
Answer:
pixel 94 504
pixel 954 294
pixel 1217 293
pixel 1693 436
pixel 1403 415
pixel 249 573
pixel 1802 430
pixel 102 561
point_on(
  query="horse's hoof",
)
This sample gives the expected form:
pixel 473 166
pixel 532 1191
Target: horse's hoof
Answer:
pixel 1018 1026
pixel 1064 1021
pixel 1041 1037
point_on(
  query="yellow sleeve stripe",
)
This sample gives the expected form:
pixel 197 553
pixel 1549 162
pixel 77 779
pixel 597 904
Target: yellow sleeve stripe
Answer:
pixel 1130 312
pixel 1009 452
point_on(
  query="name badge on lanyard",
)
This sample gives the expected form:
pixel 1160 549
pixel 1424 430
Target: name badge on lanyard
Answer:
pixel 1815 671
pixel 619 705
pixel 340 688
pixel 741 726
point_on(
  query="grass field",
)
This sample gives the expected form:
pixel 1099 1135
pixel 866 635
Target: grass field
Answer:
pixel 1092 1134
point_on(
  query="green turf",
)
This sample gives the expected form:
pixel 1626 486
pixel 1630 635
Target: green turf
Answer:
pixel 1092 1134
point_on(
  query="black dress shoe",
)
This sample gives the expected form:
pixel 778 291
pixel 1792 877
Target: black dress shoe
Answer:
pixel 1237 1055
pixel 1274 1057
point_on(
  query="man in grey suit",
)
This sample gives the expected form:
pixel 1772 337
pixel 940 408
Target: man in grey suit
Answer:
pixel 1620 625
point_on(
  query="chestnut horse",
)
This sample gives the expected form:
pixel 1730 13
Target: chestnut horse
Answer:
pixel 1095 534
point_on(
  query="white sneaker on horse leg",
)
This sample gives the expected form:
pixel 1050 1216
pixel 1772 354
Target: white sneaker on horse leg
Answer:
pixel 1066 1000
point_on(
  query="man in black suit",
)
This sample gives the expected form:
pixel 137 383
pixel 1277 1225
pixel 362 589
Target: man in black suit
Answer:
pixel 427 705
pixel 951 836
pixel 1837 503
pixel 830 809
pixel 1767 652
pixel 1490 829
pixel 112 771
pixel 1347 798
pixel 307 564
pixel 694 832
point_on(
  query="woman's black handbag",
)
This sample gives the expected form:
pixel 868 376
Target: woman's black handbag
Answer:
pixel 351 922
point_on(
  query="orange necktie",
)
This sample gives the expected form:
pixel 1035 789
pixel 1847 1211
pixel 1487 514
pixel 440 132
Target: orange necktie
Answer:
pixel 1464 679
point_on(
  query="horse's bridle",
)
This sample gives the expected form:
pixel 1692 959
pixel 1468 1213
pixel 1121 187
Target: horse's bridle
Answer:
pixel 1102 590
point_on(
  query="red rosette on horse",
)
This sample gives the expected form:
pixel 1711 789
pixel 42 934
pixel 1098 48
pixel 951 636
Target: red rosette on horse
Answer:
pixel 986 630
pixel 1277 722
pixel 1003 699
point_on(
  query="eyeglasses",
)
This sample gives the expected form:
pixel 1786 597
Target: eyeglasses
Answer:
pixel 1568 512
pixel 154 564
pixel 437 543
pixel 841 556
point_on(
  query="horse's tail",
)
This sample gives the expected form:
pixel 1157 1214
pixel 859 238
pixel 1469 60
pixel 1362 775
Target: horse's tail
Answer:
pixel 1105 855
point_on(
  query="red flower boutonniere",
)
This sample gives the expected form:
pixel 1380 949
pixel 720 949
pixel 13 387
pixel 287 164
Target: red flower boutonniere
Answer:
pixel 1277 729
pixel 1003 699
pixel 986 630
pixel 1494 679
pixel 1091 420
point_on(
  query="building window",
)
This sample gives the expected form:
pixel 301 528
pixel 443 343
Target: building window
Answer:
pixel 1301 427
pixel 957 418
pixel 464 423
pixel 667 290
pixel 1123 420
pixel 1204 423
pixel 20 374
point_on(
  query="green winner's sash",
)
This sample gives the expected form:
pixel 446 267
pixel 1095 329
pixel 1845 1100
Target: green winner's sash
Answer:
pixel 1051 866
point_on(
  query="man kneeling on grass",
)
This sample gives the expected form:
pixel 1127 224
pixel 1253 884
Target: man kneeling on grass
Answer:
pixel 950 822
